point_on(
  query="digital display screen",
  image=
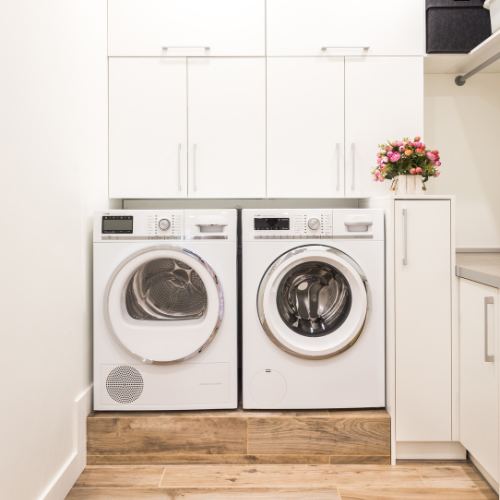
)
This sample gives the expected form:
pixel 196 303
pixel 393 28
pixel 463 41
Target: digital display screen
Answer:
pixel 117 224
pixel 271 224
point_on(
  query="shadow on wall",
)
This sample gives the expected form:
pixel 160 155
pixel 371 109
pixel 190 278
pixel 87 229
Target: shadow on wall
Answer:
pixel 464 124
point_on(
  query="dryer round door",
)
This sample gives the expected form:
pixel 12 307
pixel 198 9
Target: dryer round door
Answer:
pixel 164 304
pixel 313 302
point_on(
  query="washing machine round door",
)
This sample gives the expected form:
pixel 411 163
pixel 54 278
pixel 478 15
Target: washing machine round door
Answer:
pixel 164 304
pixel 313 302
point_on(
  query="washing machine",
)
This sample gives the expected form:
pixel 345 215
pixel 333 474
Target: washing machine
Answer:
pixel 165 309
pixel 313 309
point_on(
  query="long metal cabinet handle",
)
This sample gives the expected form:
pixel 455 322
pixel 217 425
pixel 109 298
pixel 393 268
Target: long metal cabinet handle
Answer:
pixel 353 151
pixel 487 357
pixel 337 147
pixel 366 47
pixel 185 47
pixel 194 166
pixel 179 166
pixel 405 237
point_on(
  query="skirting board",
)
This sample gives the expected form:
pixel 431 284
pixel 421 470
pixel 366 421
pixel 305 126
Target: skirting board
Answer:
pixel 486 476
pixel 70 472
pixel 447 450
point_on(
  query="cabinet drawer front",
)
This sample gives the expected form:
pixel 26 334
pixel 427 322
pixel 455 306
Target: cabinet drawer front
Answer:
pixel 423 320
pixel 479 373
pixel 344 27
pixel 186 27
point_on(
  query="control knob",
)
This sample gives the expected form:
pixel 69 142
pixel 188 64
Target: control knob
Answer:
pixel 314 223
pixel 164 224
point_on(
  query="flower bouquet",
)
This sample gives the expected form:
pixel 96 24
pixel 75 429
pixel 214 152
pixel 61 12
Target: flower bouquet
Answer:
pixel 399 159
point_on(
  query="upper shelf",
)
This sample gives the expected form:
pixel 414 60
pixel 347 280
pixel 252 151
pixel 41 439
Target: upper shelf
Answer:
pixel 460 64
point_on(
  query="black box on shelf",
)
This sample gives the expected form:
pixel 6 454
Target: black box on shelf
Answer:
pixel 456 26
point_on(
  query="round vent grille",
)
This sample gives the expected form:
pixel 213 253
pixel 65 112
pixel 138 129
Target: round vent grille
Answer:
pixel 124 384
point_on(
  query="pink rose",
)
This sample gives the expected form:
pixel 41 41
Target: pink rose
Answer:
pixel 435 151
pixel 378 155
pixel 379 161
pixel 377 172
pixel 412 171
pixel 437 174
pixel 375 178
pixel 381 167
pixel 438 164
pixel 423 146
pixel 389 148
pixel 417 138
pixel 401 148
pixel 431 156
pixel 395 157
pixel 381 179
pixel 418 170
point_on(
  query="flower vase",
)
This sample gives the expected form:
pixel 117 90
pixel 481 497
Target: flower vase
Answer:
pixel 408 185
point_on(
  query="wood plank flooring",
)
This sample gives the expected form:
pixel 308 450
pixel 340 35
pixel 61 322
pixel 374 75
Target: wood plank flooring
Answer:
pixel 406 481
pixel 239 437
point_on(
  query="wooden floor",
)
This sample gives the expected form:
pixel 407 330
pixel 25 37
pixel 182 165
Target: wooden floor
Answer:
pixel 406 481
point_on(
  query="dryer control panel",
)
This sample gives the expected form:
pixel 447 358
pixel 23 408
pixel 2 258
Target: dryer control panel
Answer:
pixel 128 225
pixel 292 224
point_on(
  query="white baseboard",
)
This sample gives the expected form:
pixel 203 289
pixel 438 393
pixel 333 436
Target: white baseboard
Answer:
pixel 485 474
pixel 69 473
pixel 447 450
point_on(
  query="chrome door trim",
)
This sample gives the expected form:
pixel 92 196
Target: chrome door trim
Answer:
pixel 271 270
pixel 180 250
pixel 487 358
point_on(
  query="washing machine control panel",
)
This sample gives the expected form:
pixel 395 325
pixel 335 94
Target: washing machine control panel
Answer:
pixel 293 224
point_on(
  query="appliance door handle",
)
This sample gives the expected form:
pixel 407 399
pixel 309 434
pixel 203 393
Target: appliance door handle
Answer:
pixel 487 302
pixel 194 166
pixel 179 166
pixel 337 148
pixel 405 237
pixel 353 152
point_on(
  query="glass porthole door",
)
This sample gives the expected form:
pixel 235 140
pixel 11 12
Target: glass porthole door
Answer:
pixel 313 302
pixel 164 304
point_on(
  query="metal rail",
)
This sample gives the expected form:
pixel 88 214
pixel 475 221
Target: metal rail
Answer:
pixel 460 80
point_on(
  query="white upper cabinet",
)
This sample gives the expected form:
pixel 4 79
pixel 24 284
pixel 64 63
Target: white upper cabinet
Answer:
pixel 186 27
pixel 384 100
pixel 345 27
pixel 147 128
pixel 305 127
pixel 227 127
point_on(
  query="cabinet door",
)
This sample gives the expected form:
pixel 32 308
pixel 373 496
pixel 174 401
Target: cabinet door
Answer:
pixel 227 127
pixel 423 320
pixel 186 28
pixel 147 128
pixel 344 27
pixel 384 100
pixel 305 127
pixel 479 373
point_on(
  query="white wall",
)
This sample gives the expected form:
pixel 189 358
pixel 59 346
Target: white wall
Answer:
pixel 53 163
pixel 464 124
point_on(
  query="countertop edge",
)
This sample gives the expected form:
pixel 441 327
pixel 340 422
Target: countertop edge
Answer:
pixel 479 277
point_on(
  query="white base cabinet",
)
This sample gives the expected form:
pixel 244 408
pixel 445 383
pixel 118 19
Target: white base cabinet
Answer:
pixel 423 280
pixel 479 385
